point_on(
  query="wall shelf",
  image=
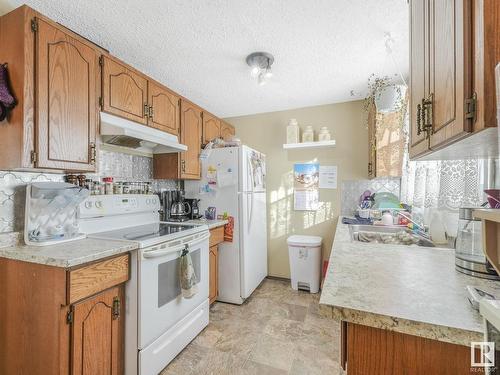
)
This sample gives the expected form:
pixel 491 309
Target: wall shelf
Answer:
pixel 318 144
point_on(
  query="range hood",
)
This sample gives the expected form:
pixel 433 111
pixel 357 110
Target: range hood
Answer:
pixel 127 134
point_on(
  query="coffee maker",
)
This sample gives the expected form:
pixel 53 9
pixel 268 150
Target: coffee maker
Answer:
pixel 173 206
pixel 195 208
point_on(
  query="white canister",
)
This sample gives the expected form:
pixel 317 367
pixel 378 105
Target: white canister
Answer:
pixel 387 218
pixel 292 131
pixel 324 134
pixel 308 134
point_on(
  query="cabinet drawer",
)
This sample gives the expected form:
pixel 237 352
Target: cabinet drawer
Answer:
pixel 91 279
pixel 216 236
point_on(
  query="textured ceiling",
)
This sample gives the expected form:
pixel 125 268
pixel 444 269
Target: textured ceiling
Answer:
pixel 323 49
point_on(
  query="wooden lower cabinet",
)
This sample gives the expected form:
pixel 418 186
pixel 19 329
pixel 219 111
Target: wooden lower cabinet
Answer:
pixel 377 351
pixel 97 333
pixel 216 237
pixel 42 332
pixel 214 274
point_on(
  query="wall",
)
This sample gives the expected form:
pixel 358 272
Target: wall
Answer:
pixel 267 133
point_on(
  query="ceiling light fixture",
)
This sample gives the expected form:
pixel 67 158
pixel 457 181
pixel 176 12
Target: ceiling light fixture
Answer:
pixel 260 62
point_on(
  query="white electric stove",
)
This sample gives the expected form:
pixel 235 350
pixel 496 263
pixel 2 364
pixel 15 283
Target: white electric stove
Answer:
pixel 159 321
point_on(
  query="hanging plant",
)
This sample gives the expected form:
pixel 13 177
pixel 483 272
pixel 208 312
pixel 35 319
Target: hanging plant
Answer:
pixel 379 88
pixel 385 96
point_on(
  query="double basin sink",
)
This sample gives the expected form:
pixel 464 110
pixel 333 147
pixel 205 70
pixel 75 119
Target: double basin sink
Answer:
pixel 388 235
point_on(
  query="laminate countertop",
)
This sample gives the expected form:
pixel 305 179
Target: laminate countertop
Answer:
pixel 407 289
pixel 68 254
pixel 75 253
pixel 210 223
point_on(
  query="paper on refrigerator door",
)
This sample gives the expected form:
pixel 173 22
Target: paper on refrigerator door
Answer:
pixel 225 178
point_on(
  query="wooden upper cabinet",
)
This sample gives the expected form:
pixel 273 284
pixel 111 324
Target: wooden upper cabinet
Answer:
pixel 450 69
pixel 227 131
pixel 419 83
pixel 124 91
pixel 98 334
pixel 66 90
pixel 211 127
pixel 191 128
pixel 454 50
pixel 486 52
pixel 164 108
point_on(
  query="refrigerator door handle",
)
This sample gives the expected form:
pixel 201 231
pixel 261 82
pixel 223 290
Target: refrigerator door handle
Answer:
pixel 250 173
pixel 251 210
pixel 248 210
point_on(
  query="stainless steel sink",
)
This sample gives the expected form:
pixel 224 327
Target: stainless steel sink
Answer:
pixel 387 235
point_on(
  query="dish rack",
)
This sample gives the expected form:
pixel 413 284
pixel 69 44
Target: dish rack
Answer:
pixel 51 213
pixel 375 213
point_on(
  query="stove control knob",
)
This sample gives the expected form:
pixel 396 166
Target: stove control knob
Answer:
pixel 98 204
pixel 88 205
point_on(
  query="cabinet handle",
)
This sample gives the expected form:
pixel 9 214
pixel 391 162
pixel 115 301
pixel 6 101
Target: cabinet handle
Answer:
pixel 146 110
pixel 116 308
pixel 370 169
pixel 427 110
pixel 183 165
pixel 151 112
pixel 92 152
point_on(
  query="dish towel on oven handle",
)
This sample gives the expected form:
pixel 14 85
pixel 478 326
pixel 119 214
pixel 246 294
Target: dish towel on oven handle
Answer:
pixel 187 277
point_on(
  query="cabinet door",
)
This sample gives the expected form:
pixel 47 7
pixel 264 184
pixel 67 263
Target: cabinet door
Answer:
pixel 227 131
pixel 165 109
pixel 211 127
pixel 191 125
pixel 98 334
pixel 419 83
pixel 67 105
pixel 214 274
pixel 449 69
pixel 124 91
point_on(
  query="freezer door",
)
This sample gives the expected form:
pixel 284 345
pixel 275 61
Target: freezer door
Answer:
pixel 221 168
pixel 253 241
pixel 252 170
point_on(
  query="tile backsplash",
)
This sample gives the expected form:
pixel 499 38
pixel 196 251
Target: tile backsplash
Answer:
pixel 351 191
pixel 123 167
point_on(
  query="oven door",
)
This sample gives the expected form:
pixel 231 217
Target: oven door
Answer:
pixel 161 304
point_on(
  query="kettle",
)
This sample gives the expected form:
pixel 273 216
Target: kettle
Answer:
pixel 469 255
pixel 180 208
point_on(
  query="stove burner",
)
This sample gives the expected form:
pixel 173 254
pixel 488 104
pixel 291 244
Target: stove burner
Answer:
pixel 140 234
pixel 147 232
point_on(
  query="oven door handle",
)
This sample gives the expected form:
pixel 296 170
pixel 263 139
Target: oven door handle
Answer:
pixel 163 252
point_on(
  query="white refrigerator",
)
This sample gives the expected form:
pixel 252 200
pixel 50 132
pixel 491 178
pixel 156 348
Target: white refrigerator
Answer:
pixel 234 181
